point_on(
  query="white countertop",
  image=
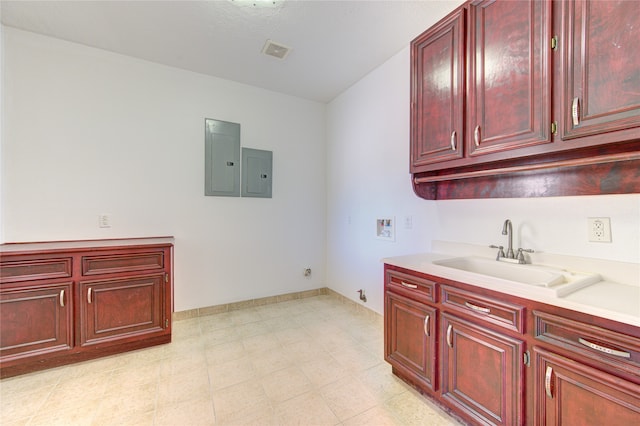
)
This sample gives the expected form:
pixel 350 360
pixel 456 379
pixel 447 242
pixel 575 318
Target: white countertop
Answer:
pixel 616 297
pixel 75 244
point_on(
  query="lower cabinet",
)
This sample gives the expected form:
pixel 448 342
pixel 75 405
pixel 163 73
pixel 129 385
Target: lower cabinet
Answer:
pixel 494 359
pixel 568 392
pixel 60 305
pixel 124 308
pixel 482 372
pixel 411 342
pixel 36 320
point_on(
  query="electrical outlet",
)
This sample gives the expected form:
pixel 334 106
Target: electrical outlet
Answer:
pixel 599 229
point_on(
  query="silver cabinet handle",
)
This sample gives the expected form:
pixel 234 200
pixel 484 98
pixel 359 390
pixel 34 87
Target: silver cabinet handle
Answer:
pixel 89 295
pixel 453 140
pixel 547 381
pixel 476 135
pixel 62 298
pixel 408 285
pixel 449 340
pixel 615 352
pixel 575 111
pixel 477 308
pixel 426 326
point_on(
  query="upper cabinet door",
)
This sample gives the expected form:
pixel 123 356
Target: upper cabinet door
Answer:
pixel 437 92
pixel 509 71
pixel 601 68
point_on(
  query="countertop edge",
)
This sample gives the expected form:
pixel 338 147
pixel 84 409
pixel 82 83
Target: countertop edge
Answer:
pixel 423 263
pixel 12 247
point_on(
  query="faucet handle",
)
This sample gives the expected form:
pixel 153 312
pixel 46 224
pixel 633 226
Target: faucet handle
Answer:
pixel 520 255
pixel 500 251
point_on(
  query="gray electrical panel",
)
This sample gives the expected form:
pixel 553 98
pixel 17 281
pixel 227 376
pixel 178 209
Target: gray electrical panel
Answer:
pixel 257 167
pixel 222 158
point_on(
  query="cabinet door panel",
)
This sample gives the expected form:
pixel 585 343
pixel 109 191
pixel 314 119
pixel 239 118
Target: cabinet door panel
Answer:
pixel 411 339
pixel 509 89
pixel 482 372
pixel 115 309
pixel 602 92
pixel 571 393
pixel 35 320
pixel 437 93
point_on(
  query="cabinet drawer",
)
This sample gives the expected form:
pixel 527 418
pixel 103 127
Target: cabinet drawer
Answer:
pixel 602 345
pixel 487 309
pixel 35 269
pixel 126 262
pixel 411 286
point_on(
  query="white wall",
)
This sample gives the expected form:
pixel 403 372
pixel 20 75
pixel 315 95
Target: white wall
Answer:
pixel 368 163
pixel 90 132
pixel 2 109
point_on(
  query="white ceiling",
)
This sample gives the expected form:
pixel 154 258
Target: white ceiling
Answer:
pixel 333 43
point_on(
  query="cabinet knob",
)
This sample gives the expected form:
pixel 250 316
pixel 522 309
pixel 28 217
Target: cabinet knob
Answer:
pixel 89 295
pixel 449 337
pixel 426 325
pixel 453 140
pixel 62 298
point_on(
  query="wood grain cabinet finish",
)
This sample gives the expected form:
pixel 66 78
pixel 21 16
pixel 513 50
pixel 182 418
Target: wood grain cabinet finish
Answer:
pixel 509 101
pixel 482 372
pixel 410 344
pixel 569 392
pixel 495 359
pixel 600 70
pixel 550 105
pixel 36 320
pixel 506 104
pixel 121 308
pixel 60 306
pixel 437 92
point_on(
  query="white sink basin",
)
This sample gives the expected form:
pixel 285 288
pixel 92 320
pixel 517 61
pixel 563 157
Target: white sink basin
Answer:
pixel 557 281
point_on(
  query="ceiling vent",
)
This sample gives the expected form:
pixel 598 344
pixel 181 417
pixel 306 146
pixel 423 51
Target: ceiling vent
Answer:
pixel 275 49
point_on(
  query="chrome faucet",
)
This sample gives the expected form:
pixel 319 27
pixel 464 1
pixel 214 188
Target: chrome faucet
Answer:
pixel 510 256
pixel 507 229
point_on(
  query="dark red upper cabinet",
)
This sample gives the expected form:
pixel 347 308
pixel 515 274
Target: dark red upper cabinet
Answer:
pixel 437 92
pixel 509 98
pixel 600 71
pixel 480 84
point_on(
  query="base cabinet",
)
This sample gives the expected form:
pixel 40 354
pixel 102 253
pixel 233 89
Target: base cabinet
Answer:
pixel 411 343
pixel 482 372
pixel 121 309
pixel 61 304
pixel 568 392
pixel 490 358
pixel 36 320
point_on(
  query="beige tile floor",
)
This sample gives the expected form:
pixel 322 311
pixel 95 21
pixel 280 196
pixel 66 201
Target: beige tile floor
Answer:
pixel 313 361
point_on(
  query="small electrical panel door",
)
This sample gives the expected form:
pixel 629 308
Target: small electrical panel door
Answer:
pixel 222 158
pixel 257 166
